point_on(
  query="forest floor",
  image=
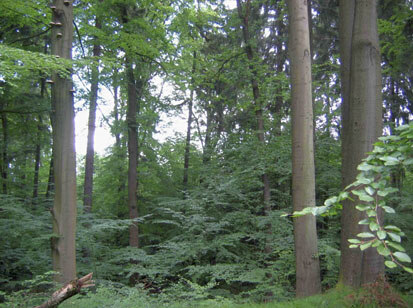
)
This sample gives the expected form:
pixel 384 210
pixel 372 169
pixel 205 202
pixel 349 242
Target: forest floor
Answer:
pixel 335 298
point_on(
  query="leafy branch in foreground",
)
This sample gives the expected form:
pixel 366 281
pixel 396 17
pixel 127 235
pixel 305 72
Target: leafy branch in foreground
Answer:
pixel 372 187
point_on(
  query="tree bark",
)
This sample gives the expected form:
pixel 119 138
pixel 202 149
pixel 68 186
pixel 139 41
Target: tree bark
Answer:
pixel 64 207
pixel 303 177
pixel 90 151
pixel 4 154
pixel 244 14
pixel 188 129
pixel 133 154
pixel 67 291
pixel 362 125
pixel 37 159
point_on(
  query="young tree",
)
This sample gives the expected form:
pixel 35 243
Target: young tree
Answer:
pixel 303 186
pixel 90 151
pixel 361 126
pixel 64 208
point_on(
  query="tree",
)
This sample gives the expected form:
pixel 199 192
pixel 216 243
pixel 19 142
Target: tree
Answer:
pixel 303 178
pixel 361 126
pixel 64 207
pixel 90 151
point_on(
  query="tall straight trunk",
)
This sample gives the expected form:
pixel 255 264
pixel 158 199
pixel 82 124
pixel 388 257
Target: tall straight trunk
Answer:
pixel 362 125
pixel 133 154
pixel 37 159
pixel 50 179
pixel 38 145
pixel 303 176
pixel 90 151
pixel 244 16
pixel 4 153
pixel 64 207
pixel 188 129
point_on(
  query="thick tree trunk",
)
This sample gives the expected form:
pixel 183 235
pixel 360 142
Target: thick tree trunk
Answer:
pixel 303 186
pixel 64 208
pixel 133 154
pixel 90 151
pixel 362 125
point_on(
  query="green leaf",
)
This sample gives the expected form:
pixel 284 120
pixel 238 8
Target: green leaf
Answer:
pixel 381 234
pixel 390 264
pixel 388 209
pixel 371 213
pixel 354 241
pixel 384 251
pixel 392 228
pixel 364 222
pixel 364 167
pixel 353 246
pixel 395 237
pixel 363 207
pixel 408 269
pixel 374 226
pixel 362 195
pixel 365 245
pixel 365 234
pixel 369 190
pixel 402 256
pixel 330 201
pixel 395 245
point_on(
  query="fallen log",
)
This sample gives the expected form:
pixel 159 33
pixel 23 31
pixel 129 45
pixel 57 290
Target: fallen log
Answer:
pixel 67 291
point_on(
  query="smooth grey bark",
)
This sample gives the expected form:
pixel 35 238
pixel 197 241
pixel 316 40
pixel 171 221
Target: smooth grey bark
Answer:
pixel 64 207
pixel 90 151
pixel 303 171
pixel 362 125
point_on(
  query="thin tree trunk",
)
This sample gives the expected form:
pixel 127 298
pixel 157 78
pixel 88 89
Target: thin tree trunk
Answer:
pixel 50 180
pixel 303 176
pixel 38 145
pixel 362 125
pixel 90 151
pixel 64 208
pixel 188 129
pixel 37 159
pixel 133 154
pixel 244 15
pixel 5 156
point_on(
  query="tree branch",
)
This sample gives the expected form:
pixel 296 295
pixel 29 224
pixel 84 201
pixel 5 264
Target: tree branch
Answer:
pixel 67 291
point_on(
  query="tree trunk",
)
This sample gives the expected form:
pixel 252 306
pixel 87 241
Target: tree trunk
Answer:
pixel 244 14
pixel 37 159
pixel 64 208
pixel 133 154
pixel 188 130
pixel 4 154
pixel 50 180
pixel 303 177
pixel 362 125
pixel 90 151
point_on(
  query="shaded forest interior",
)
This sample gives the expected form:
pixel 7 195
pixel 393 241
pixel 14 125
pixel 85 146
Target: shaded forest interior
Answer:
pixel 281 101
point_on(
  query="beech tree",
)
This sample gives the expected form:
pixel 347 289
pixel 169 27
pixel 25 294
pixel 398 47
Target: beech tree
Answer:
pixel 303 176
pixel 64 207
pixel 361 126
